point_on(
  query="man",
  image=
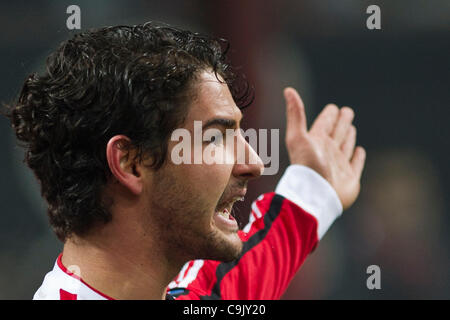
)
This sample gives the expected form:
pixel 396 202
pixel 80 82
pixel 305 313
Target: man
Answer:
pixel 97 126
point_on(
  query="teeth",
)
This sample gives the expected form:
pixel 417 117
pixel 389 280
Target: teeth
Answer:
pixel 225 213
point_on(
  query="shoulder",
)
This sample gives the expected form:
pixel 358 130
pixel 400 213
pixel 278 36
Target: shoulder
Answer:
pixel 61 284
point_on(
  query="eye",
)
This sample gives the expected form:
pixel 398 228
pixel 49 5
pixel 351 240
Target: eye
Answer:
pixel 213 136
pixel 216 139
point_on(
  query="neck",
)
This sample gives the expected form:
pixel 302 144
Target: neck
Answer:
pixel 121 267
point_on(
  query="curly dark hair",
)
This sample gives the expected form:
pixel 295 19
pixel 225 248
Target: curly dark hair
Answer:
pixel 130 80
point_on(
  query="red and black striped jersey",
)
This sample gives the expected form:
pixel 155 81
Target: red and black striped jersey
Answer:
pixel 283 228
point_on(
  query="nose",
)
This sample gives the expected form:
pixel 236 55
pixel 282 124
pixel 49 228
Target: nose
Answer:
pixel 248 164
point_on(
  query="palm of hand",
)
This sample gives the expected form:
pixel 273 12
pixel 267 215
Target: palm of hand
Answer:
pixel 328 147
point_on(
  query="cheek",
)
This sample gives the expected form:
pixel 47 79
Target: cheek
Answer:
pixel 203 183
pixel 209 181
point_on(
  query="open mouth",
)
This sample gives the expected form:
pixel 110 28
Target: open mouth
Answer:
pixel 227 214
pixel 226 211
pixel 224 218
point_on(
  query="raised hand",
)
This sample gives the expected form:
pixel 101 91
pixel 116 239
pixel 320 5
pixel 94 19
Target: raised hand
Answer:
pixel 328 147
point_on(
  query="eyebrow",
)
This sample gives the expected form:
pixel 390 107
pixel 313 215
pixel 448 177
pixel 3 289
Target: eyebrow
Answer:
pixel 227 123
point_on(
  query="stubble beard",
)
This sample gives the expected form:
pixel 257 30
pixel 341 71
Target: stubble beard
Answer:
pixel 184 223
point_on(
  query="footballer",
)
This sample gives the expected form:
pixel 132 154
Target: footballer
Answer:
pixel 96 127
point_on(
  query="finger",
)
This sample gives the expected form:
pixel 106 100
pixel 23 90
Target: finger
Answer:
pixel 326 120
pixel 348 145
pixel 295 113
pixel 358 160
pixel 344 122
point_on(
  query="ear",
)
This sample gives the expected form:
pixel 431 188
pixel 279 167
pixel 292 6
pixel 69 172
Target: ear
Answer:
pixel 122 165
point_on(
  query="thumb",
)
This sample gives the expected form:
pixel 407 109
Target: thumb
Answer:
pixel 295 113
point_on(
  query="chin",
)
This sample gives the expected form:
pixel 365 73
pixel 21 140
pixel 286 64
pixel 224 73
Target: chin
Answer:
pixel 230 248
pixel 235 254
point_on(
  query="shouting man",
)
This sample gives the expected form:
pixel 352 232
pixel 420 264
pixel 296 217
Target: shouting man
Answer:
pixel 97 129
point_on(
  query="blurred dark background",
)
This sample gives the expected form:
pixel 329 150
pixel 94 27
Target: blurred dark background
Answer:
pixel 396 79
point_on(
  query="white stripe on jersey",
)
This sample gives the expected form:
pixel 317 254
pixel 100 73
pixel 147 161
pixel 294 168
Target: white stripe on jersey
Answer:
pixel 191 274
pixel 256 213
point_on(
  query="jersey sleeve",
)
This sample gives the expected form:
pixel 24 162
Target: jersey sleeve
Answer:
pixel 283 228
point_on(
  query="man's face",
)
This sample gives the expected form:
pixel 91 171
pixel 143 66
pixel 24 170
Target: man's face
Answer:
pixel 191 203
